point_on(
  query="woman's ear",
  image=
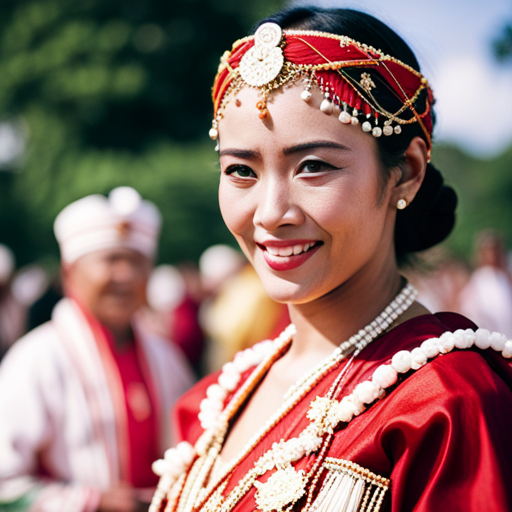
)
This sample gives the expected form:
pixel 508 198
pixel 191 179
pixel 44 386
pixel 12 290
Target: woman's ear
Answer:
pixel 413 172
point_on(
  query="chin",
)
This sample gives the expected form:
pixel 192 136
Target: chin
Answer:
pixel 289 292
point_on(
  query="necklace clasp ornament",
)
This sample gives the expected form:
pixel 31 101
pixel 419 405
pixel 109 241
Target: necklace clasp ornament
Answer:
pixel 264 61
pixel 285 487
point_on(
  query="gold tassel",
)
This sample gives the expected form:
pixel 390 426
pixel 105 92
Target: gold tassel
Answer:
pixel 349 487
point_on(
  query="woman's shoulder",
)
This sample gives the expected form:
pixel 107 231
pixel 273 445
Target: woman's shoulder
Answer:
pixel 461 365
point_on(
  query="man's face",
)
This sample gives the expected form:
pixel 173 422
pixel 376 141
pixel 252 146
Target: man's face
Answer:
pixel 110 283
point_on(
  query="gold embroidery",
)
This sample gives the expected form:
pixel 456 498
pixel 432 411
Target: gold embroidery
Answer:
pixel 285 487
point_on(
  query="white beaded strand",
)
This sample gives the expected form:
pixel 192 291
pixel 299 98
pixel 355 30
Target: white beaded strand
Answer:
pixel 326 414
pixel 359 341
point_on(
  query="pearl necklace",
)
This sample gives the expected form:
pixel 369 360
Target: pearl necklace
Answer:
pixel 214 418
pixel 325 413
pixel 364 337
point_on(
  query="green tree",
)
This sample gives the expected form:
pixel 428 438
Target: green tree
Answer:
pixel 107 90
pixel 502 46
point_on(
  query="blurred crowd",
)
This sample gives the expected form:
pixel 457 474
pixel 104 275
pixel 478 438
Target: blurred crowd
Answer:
pixel 94 357
pixel 480 289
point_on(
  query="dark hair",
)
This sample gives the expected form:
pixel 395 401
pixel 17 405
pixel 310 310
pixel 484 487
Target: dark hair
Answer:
pixel 430 217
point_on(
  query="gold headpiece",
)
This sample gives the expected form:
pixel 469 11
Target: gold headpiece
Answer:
pixel 358 79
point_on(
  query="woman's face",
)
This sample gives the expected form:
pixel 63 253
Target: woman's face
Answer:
pixel 300 191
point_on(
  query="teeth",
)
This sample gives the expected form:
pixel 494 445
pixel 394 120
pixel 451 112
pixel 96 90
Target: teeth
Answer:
pixel 285 251
pixel 273 250
pixel 290 250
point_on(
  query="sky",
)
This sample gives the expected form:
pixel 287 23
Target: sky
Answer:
pixel 452 40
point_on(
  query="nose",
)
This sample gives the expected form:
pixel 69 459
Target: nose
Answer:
pixel 124 271
pixel 276 205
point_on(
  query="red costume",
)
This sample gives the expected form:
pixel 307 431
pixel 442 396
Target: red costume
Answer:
pixel 441 434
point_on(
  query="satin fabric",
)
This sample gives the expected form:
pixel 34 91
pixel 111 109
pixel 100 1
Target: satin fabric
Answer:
pixel 442 434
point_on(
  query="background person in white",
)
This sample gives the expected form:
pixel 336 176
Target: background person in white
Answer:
pixel 85 399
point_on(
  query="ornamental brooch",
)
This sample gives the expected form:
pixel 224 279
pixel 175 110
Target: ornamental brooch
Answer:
pixel 264 61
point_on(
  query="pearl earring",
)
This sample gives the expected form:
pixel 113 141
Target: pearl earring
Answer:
pixel 401 204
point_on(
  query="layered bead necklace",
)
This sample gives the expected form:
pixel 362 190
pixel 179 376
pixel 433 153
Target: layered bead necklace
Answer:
pixel 193 492
pixel 185 469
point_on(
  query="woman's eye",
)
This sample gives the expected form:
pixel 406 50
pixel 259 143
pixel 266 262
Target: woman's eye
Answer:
pixel 313 166
pixel 240 171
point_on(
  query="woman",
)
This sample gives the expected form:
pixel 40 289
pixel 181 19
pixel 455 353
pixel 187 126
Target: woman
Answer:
pixel 324 125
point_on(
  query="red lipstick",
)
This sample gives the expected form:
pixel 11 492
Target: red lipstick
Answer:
pixel 283 263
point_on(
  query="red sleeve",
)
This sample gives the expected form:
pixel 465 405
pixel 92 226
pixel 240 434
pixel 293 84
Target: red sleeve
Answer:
pixel 185 421
pixel 449 438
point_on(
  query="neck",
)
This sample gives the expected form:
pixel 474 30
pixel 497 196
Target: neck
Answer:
pixel 325 323
pixel 123 336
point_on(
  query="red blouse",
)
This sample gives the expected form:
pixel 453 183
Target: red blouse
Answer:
pixel 442 434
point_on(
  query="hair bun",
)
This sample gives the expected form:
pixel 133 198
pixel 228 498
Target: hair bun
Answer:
pixel 429 218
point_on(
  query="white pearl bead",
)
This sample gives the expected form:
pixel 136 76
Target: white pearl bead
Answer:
pixel 345 117
pixel 213 133
pixel 358 404
pixel 398 129
pixel 354 120
pixel 387 130
pixel 431 347
pixel 482 339
pixel 419 358
pixel 305 95
pixel 346 410
pixel 186 451
pixel 377 131
pixel 366 126
pixel 367 392
pixel 446 342
pixel 402 361
pixel 459 337
pixel 507 350
pixel 215 392
pixel 498 341
pixel 159 467
pixel 326 107
pixel 470 337
pixel 385 376
pixel 229 381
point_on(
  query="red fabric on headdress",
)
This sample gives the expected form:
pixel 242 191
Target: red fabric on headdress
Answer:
pixel 317 49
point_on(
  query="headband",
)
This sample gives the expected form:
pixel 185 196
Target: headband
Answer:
pixel 356 80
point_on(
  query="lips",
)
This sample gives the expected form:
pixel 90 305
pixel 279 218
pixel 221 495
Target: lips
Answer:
pixel 288 254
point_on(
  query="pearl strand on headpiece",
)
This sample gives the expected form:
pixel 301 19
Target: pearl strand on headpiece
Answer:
pixel 364 337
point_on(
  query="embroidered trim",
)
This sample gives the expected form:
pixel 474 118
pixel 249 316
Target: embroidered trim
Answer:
pixel 350 487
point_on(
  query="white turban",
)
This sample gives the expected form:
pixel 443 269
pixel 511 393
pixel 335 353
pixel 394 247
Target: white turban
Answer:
pixel 96 222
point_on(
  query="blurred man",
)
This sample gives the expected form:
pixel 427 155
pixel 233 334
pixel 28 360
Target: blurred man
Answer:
pixel 85 399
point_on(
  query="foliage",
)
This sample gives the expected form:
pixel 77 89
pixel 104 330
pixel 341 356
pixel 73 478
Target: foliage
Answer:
pixel 503 44
pixel 484 188
pixel 106 91
pixel 117 92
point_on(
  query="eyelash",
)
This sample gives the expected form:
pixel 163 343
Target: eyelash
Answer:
pixel 236 168
pixel 323 166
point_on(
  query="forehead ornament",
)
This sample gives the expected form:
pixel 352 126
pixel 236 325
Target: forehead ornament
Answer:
pixel 263 62
pixel 360 84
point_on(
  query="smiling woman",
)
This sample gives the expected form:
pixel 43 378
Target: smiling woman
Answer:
pixel 323 123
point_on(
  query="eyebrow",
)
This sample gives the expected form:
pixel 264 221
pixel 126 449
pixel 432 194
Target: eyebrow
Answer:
pixel 306 146
pixel 246 154
pixel 316 144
